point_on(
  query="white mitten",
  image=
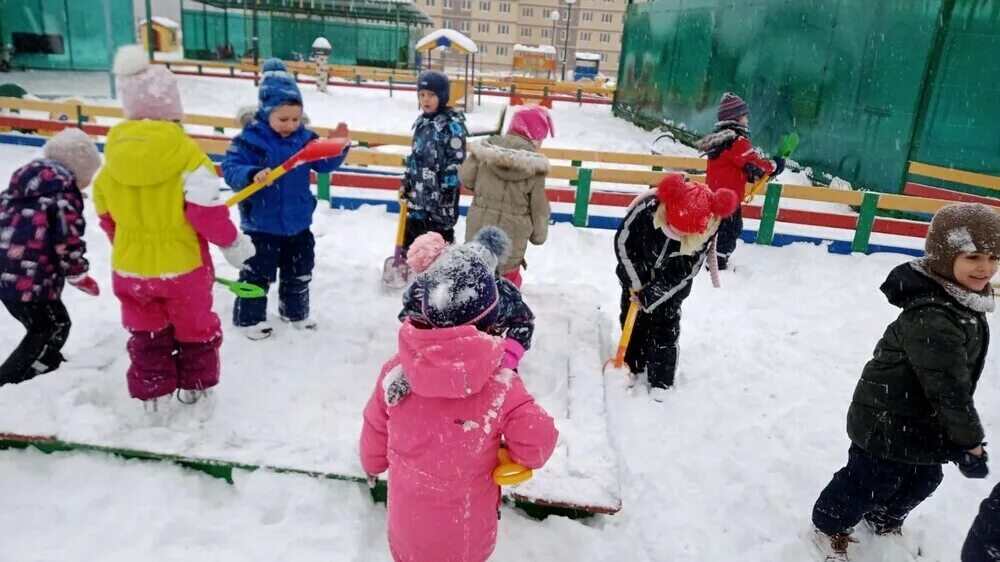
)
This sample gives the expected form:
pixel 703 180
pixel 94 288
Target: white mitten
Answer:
pixel 239 251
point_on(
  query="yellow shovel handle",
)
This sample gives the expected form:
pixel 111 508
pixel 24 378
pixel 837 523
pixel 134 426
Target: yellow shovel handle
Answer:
pixel 756 189
pixel 630 316
pixel 401 227
pixel 256 186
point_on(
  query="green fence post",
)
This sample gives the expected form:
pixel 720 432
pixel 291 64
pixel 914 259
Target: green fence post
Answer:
pixel 390 86
pixel 579 96
pixel 769 214
pixel 295 74
pixel 232 71
pixel 657 168
pixel 575 164
pixel 866 220
pixel 582 204
pixel 199 69
pixel 479 89
pixel 80 117
pixel 323 186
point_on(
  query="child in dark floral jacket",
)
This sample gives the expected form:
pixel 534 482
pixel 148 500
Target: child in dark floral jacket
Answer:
pixel 41 247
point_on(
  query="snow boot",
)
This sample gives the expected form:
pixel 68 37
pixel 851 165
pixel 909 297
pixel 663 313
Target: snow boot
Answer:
pixel 302 325
pixel 833 548
pixel 880 531
pixel 659 394
pixel 257 332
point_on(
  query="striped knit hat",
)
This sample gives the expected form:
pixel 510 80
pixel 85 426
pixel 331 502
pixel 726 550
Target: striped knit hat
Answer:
pixel 732 107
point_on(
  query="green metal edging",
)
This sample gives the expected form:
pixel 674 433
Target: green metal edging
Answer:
pixel 582 202
pixel 323 186
pixel 769 214
pixel 866 220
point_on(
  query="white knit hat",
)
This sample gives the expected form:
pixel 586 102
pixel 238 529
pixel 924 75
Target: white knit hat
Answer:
pixel 73 149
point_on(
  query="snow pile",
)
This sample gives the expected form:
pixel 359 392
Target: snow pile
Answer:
pixel 543 49
pixel 588 56
pixel 451 37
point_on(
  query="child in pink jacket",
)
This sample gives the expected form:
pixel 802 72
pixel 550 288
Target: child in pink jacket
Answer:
pixel 440 409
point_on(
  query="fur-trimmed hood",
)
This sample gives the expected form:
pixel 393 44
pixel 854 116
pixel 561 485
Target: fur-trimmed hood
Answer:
pixel 725 134
pixel 511 157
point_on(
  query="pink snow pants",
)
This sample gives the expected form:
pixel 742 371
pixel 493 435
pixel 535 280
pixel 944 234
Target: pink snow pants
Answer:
pixel 175 335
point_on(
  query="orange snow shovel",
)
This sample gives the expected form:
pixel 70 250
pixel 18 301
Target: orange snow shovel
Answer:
pixel 319 149
pixel 508 472
pixel 395 271
pixel 619 359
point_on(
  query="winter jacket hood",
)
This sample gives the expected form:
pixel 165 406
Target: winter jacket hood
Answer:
pixel 512 158
pixel 448 362
pixel 908 287
pixel 52 177
pixel 144 153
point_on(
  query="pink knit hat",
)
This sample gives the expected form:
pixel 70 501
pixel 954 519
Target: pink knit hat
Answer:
pixel 532 122
pixel 424 250
pixel 148 91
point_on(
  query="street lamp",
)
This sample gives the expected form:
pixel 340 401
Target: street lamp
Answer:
pixel 569 16
pixel 554 16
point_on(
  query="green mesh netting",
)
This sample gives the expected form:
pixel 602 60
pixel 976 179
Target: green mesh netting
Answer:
pixel 206 32
pixel 868 84
pixel 65 34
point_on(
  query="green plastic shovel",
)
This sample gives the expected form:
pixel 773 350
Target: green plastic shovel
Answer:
pixel 242 289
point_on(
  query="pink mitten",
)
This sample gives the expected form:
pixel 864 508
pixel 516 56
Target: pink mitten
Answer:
pixel 512 354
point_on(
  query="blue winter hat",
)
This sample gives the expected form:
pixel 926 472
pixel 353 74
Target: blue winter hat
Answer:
pixel 437 83
pixel 277 88
pixel 460 287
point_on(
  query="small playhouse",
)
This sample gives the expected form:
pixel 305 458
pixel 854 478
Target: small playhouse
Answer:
pixel 451 40
pixel 166 34
pixel 537 62
pixel 588 66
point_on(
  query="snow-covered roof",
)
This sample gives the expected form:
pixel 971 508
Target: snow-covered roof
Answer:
pixel 165 22
pixel 447 38
pixel 587 56
pixel 321 43
pixel 545 49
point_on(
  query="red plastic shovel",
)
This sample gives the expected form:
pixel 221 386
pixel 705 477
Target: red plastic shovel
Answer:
pixel 319 149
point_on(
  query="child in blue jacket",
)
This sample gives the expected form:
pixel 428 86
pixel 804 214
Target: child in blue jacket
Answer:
pixel 430 182
pixel 278 217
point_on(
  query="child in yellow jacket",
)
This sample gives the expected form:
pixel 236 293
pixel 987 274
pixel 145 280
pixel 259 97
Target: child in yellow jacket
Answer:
pixel 159 201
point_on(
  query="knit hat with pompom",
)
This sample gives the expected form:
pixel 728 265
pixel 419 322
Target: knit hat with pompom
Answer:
pixel 73 149
pixel 460 287
pixel 691 205
pixel 424 250
pixel 148 91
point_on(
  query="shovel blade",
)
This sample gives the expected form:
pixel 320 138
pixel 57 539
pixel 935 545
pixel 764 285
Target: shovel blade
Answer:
pixel 395 273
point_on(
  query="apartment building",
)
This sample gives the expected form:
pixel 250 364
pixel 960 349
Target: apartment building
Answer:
pixel 594 26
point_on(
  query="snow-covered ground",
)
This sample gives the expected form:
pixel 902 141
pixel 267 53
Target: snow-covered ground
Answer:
pixel 726 469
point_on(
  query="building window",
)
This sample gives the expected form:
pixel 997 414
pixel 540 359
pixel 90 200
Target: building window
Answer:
pixel 466 4
pixel 446 24
pixel 562 54
pixel 503 29
pixel 605 37
pixel 545 33
pixel 485 28
pixel 564 15
pixel 607 18
pixel 464 26
pixel 562 34
pixel 584 36
pixel 502 50
pixel 430 2
pixel 604 57
pixel 527 12
pixel 504 7
pixel 525 32
pixel 587 16
pixel 484 6
pixel 447 3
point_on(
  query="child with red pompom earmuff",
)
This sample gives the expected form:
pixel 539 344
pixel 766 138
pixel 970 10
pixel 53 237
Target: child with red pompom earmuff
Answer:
pixel 661 245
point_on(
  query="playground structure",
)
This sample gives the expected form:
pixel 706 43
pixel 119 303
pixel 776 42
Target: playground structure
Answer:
pixel 363 32
pixel 534 61
pixel 449 39
pixel 587 66
pixel 166 34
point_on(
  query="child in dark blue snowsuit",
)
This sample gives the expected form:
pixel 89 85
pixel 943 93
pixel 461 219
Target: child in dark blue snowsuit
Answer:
pixel 430 182
pixel 278 217
pixel 983 541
